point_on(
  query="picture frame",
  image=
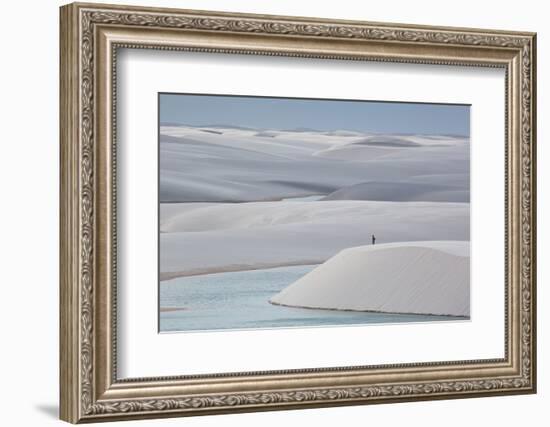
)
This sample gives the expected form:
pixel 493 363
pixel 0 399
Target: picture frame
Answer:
pixel 91 37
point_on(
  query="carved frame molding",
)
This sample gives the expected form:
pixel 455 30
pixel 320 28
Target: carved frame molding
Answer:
pixel 90 34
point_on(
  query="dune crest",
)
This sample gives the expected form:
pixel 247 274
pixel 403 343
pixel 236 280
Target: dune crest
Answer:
pixel 221 163
pixel 404 191
pixel 414 277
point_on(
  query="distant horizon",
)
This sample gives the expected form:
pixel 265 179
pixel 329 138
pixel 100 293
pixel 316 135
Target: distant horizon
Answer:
pixel 228 126
pixel 323 115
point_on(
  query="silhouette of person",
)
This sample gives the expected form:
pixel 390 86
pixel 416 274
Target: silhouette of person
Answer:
pixel 373 239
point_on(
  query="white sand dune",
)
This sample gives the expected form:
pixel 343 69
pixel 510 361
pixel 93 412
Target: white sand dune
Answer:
pixel 455 180
pixel 354 153
pixel 387 141
pixel 401 191
pixel 218 185
pixel 284 233
pixel 426 277
pixel 225 164
pixel 381 215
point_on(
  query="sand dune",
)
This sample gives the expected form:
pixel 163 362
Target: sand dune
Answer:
pixel 380 215
pixel 296 232
pixel 218 185
pixel 387 141
pixel 224 164
pixel 456 180
pixel 353 153
pixel 426 277
pixel 401 191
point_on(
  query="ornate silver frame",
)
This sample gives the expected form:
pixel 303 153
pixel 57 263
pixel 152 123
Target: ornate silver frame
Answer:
pixel 90 36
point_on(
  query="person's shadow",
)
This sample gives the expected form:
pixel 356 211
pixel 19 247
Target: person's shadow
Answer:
pixel 50 410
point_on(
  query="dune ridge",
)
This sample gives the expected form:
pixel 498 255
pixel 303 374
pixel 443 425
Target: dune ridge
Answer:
pixel 225 164
pixel 404 191
pixel 427 277
pixel 277 233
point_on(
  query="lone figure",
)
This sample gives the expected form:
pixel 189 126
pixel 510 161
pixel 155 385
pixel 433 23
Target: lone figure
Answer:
pixel 373 237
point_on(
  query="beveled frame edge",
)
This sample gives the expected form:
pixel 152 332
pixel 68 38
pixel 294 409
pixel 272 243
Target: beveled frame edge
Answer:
pixel 89 390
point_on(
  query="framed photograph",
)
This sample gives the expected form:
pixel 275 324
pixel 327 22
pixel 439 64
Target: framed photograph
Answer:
pixel 266 212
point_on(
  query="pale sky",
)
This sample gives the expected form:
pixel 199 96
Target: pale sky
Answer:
pixel 318 114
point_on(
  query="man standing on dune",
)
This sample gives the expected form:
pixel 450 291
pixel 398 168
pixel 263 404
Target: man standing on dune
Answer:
pixel 373 237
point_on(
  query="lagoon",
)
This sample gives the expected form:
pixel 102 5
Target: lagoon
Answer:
pixel 239 300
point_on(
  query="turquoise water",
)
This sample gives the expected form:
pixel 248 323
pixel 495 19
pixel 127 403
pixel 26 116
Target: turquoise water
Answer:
pixel 239 300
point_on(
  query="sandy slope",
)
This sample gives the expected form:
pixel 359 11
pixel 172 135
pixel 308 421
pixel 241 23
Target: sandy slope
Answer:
pixel 401 191
pixel 377 215
pixel 220 164
pixel 218 184
pixel 415 277
pixel 281 233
